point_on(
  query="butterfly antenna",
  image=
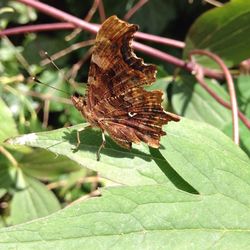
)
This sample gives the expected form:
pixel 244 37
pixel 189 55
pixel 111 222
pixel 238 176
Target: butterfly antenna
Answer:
pixel 38 81
pixel 53 63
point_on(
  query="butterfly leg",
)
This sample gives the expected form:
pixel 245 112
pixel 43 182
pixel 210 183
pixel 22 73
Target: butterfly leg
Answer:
pixel 78 136
pixel 101 146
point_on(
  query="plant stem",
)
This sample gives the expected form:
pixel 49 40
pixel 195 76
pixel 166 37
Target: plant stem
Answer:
pixel 9 156
pixel 230 84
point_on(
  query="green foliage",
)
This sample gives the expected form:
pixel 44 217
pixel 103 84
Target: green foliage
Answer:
pixel 31 200
pixel 223 31
pixel 193 192
pixel 138 215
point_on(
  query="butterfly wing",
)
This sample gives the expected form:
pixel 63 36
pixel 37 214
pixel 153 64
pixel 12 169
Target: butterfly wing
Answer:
pixel 135 116
pixel 115 100
pixel 114 68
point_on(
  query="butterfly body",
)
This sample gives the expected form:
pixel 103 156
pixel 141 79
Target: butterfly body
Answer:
pixel 116 101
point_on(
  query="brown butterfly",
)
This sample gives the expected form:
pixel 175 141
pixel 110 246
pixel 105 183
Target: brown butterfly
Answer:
pixel 115 100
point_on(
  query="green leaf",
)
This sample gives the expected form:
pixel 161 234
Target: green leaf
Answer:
pixel 225 31
pixel 135 167
pixel 207 159
pixel 31 200
pixel 160 11
pixel 44 164
pixel 192 101
pixel 243 93
pixel 244 135
pixel 146 217
pixel 2 192
pixel 6 179
pixel 155 215
pixel 8 127
pixel 21 13
pixel 142 165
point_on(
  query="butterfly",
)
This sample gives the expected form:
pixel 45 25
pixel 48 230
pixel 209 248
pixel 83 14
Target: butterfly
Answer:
pixel 115 100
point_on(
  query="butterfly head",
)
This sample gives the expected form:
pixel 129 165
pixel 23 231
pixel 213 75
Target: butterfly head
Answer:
pixel 78 102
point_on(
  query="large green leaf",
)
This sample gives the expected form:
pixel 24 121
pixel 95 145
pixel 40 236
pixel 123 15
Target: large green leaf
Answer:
pixel 155 215
pixel 146 217
pixel 224 31
pixel 7 124
pixel 208 160
pixel 135 167
pixel 142 165
pixel 31 200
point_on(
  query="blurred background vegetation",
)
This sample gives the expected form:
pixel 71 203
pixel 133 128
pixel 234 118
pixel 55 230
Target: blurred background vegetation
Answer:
pixel 48 182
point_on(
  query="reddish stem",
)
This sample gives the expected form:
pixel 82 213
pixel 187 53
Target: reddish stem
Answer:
pixel 65 26
pixel 230 84
pixel 93 28
pixel 141 47
pixel 221 101
pixel 58 14
pixel 37 28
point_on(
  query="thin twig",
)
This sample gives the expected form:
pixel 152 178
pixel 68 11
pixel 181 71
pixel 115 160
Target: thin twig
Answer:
pixel 134 9
pixel 87 19
pixel 19 56
pixel 9 156
pixel 47 97
pixel 214 3
pixel 68 50
pixel 101 11
pixel 227 105
pixel 36 28
pixel 92 10
pixel 76 67
pixel 46 113
pixel 230 84
pixel 95 193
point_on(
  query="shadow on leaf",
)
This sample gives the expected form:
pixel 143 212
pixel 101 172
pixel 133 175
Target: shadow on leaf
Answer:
pixel 90 140
pixel 172 175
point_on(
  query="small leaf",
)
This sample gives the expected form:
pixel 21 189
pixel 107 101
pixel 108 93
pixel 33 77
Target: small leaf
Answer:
pixel 2 192
pixel 192 101
pixel 6 10
pixel 31 200
pixel 44 164
pixel 243 93
pixel 225 31
pixel 6 179
pixel 8 127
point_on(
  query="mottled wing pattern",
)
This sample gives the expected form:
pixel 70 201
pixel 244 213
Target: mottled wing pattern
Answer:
pixel 116 100
pixel 135 116
pixel 114 67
